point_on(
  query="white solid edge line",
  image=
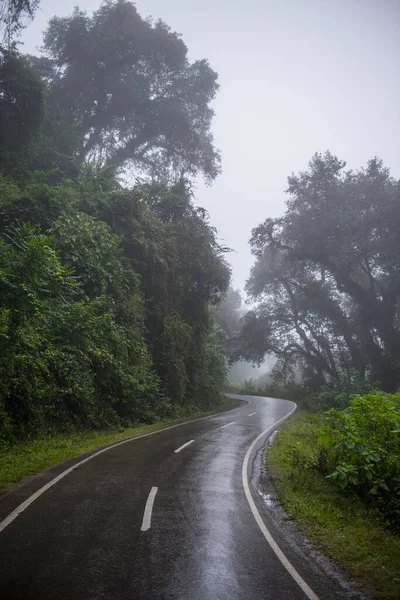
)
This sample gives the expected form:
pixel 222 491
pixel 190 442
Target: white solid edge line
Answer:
pixel 251 414
pixel 183 446
pixel 227 425
pixel 146 524
pixel 24 505
pixel 285 562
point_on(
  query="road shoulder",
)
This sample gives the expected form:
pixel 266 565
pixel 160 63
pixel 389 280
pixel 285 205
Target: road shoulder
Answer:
pixel 339 533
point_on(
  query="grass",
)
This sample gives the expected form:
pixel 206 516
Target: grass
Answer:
pixel 32 456
pixel 341 527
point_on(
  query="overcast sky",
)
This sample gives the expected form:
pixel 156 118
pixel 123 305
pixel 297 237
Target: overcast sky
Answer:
pixel 297 77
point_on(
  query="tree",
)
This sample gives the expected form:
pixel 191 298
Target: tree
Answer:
pixel 127 85
pixel 22 110
pixel 14 14
pixel 327 273
pixel 291 321
pixel 106 290
pixel 183 272
pixel 229 312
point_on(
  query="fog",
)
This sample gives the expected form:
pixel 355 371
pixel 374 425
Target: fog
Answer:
pixel 117 306
pixel 296 78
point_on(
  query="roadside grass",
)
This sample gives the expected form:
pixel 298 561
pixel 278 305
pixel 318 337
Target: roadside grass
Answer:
pixel 32 456
pixel 341 527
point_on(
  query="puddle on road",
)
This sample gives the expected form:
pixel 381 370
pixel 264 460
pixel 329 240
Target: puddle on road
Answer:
pixel 268 499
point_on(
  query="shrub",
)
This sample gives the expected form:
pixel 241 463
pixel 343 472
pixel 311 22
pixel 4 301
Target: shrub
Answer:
pixel 337 394
pixel 66 359
pixel 363 449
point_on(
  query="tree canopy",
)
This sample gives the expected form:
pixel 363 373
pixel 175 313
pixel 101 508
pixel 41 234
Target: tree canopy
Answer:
pixel 107 289
pixel 326 276
pixel 128 88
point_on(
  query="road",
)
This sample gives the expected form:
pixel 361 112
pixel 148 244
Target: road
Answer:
pixel 167 516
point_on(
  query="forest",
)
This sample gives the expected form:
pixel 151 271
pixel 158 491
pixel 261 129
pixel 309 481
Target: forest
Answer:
pixel 119 315
pixel 108 270
pixel 116 304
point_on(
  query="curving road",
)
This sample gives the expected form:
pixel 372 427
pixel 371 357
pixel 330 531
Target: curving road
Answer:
pixel 175 515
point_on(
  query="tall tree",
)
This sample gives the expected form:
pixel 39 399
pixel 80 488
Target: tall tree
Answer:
pixel 128 86
pixel 338 268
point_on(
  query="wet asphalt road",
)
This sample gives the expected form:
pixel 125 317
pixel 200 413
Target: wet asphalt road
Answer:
pixel 82 538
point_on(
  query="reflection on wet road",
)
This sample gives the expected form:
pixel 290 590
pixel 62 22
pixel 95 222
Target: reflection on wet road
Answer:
pixel 162 517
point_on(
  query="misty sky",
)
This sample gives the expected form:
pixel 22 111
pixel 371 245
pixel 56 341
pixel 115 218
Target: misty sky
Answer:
pixel 297 77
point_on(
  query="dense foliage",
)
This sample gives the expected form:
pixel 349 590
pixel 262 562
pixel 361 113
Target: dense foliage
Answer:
pixel 358 449
pixel 349 530
pixel 106 288
pixel 326 281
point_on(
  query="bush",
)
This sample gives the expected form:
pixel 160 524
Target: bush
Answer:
pixel 360 450
pixel 337 394
pixel 65 359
